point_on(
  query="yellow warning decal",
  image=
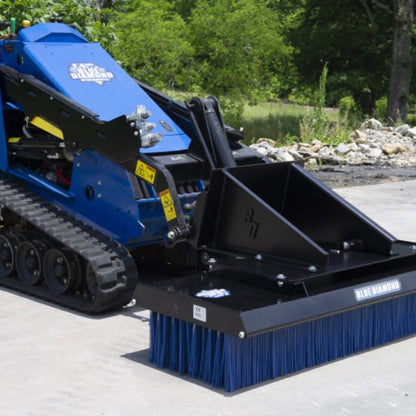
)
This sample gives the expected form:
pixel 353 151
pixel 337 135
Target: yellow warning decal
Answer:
pixel 145 172
pixel 14 140
pixel 167 204
pixel 47 126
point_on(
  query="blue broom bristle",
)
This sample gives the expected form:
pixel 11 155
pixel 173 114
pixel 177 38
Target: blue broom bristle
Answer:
pixel 230 362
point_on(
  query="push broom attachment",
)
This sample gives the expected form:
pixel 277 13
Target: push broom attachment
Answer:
pixel 290 276
pixel 293 276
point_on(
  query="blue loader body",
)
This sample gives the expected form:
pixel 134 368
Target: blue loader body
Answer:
pixel 62 58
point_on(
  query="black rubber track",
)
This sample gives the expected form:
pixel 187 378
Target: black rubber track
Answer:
pixel 113 266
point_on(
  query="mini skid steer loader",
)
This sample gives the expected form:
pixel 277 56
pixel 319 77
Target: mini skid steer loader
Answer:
pixel 109 189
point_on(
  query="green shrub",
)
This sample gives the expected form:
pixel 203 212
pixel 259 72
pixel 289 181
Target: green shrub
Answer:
pixel 349 112
pixel 347 106
pixel 381 109
pixel 411 119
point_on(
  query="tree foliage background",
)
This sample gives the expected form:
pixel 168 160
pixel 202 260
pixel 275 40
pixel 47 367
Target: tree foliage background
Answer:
pixel 241 50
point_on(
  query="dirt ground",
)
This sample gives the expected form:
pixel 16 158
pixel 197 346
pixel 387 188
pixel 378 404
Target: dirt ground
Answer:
pixel 343 176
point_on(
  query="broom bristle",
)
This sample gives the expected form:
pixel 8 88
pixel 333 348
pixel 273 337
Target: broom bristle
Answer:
pixel 230 362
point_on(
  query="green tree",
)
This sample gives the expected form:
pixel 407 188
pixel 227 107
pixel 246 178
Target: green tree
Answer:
pixel 153 45
pixel 72 11
pixel 240 51
pixel 402 62
pixel 184 7
pixel 355 38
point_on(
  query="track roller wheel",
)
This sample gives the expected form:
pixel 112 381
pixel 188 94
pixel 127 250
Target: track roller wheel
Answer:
pixel 8 246
pixel 62 270
pixel 29 257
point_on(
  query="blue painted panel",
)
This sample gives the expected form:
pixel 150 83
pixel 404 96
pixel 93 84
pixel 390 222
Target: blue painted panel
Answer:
pixel 112 208
pixel 86 73
pixel 50 32
pixel 54 53
pixel 110 200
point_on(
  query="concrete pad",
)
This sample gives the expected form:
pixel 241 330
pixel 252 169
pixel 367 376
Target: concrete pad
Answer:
pixel 392 205
pixel 57 362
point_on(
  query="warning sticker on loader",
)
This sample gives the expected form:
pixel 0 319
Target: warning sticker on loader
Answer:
pixel 167 204
pixel 145 172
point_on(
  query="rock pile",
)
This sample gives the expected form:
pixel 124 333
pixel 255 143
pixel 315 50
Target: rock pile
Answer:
pixel 372 144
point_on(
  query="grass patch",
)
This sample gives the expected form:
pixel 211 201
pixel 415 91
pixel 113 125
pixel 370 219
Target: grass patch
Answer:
pixel 277 121
pixel 286 123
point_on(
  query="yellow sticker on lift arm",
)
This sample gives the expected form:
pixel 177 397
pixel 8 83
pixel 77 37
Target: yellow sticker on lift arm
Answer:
pixel 47 126
pixel 167 204
pixel 145 172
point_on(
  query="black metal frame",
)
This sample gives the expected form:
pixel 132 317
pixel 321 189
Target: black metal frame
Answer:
pixel 287 249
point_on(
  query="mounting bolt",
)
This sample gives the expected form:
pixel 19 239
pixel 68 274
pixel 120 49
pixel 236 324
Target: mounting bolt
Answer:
pixel 171 235
pixel 241 335
pixel 413 247
pixel 99 183
pixel 281 276
pixel 99 196
pixel 212 260
pixel 280 284
pixel 259 257
pixel 346 245
pixel 51 98
pixel 312 268
pixel 204 257
pixel 131 303
pixel 136 133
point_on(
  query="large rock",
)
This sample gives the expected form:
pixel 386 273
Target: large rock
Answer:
pixel 403 130
pixel 412 132
pixel 270 142
pixel 358 137
pixel 393 148
pixel 374 153
pixel 342 149
pixel 282 155
pixel 371 124
pixel 317 145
